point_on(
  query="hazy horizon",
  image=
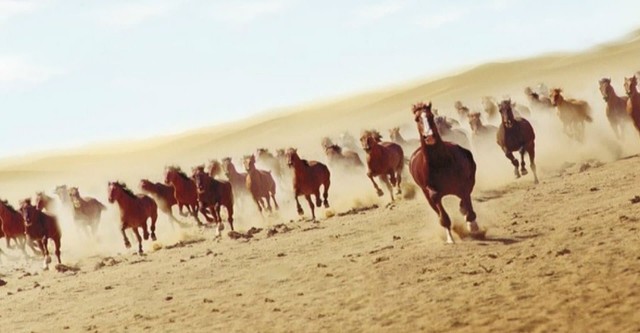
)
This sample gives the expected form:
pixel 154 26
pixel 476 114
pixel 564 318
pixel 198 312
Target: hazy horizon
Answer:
pixel 76 73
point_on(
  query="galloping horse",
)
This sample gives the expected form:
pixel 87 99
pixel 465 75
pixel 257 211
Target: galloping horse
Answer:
pixel 538 102
pixel 407 145
pixel 573 114
pixel 463 111
pixel 616 110
pixel 212 194
pixel 265 157
pixel 442 168
pixel 12 226
pixel 40 227
pixel 134 212
pixel 44 202
pixel 185 191
pixel 163 195
pixel 86 211
pixel 481 134
pixel 385 160
pixel 633 104
pixel 448 133
pixel 260 184
pixel 215 168
pixel 308 176
pixel 237 179
pixel 347 159
pixel 490 107
pixel 516 134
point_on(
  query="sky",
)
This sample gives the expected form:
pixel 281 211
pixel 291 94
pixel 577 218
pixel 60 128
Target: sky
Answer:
pixel 77 72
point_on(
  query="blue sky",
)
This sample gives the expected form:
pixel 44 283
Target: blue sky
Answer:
pixel 75 72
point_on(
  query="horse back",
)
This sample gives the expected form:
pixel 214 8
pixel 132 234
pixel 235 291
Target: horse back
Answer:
pixel 394 153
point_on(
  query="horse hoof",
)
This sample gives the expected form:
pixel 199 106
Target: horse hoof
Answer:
pixel 380 193
pixel 153 237
pixel 326 205
pixel 145 236
pixel 300 212
pixel 47 260
pixel 127 245
pixel 524 172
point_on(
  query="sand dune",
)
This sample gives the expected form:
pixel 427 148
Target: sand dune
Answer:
pixel 561 256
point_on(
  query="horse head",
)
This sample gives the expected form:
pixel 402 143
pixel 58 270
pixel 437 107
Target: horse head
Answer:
pixel 425 120
pixel 62 192
pixel 200 177
pixel 28 212
pixel 74 195
pixel 112 190
pixel 474 121
pixel 41 200
pixel 292 157
pixel 394 134
pixel 369 139
pixel 506 112
pixel 605 86
pixel 630 85
pixel 249 162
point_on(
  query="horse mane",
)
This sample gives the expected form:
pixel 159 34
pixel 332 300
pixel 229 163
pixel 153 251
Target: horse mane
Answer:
pixel 179 171
pixel 126 190
pixel 335 148
pixel 8 205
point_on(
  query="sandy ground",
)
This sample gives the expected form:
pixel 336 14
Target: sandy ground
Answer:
pixel 561 256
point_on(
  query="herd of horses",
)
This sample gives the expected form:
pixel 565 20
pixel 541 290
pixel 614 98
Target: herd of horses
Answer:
pixel 442 163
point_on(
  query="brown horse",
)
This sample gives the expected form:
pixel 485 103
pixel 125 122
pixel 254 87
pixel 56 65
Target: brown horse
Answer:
pixel 407 145
pixel 573 114
pixel 633 104
pixel 44 202
pixel 481 134
pixel 448 133
pixel 384 160
pixel 442 168
pixel 237 179
pixel 40 227
pixel 12 226
pixel 185 191
pixel 463 111
pixel 212 194
pixel 616 110
pixel 538 102
pixel 308 176
pixel 271 162
pixel 86 211
pixel 490 107
pixel 135 210
pixel 163 195
pixel 338 158
pixel 215 168
pixel 516 134
pixel 63 194
pixel 260 184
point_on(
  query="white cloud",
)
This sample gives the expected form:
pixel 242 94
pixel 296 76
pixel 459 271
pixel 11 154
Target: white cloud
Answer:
pixel 11 8
pixel 245 12
pixel 443 18
pixel 16 71
pixel 131 14
pixel 374 12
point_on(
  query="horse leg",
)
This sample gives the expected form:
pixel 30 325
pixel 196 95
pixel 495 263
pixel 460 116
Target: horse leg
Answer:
pixel 313 210
pixel 137 233
pixel 325 193
pixel 531 150
pixel 298 206
pixel 154 218
pixel 194 209
pixel 258 202
pixel 466 208
pixel 523 169
pixel 385 180
pixel 230 213
pixel 435 201
pixel 318 197
pixel 378 190
pixel 127 244
pixel 514 161
pixel 45 254
pixel 183 214
pixel 399 179
pixel 56 242
pixel 273 196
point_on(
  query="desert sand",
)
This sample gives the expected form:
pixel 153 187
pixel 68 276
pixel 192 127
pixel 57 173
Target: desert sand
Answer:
pixel 562 256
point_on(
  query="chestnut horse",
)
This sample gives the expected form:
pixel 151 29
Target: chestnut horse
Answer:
pixel 212 194
pixel 163 195
pixel 215 168
pixel 384 160
pixel 442 168
pixel 516 134
pixel 490 107
pixel 336 157
pixel 86 211
pixel 481 134
pixel 396 137
pixel 237 179
pixel 573 114
pixel 12 226
pixel 260 184
pixel 185 191
pixel 308 176
pixel 616 109
pixel 633 104
pixel 537 101
pixel 40 227
pixel 135 210
pixel 44 202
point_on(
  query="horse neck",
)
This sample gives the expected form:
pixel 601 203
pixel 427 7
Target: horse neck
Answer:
pixel 124 199
pixel 612 97
pixel 299 166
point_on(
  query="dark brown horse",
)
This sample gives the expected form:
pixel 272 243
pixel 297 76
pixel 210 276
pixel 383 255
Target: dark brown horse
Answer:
pixel 185 191
pixel 538 102
pixel 44 202
pixel 616 110
pixel 481 134
pixel 213 194
pixel 40 227
pixel 572 112
pixel 384 160
pixel 86 211
pixel 442 168
pixel 260 184
pixel 633 104
pixel 308 176
pixel 237 179
pixel 516 134
pixel 163 195
pixel 135 210
pixel 12 226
